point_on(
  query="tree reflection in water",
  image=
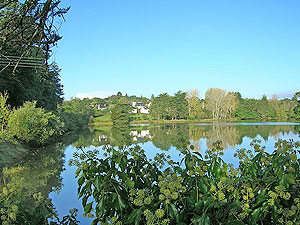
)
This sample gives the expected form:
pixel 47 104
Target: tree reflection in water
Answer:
pixel 181 136
pixel 25 187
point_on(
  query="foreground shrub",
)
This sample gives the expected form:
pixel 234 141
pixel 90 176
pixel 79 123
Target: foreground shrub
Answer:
pixel 31 124
pixel 125 187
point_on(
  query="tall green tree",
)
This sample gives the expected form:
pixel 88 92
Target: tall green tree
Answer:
pixel 247 109
pixel 120 114
pixel 75 113
pixel 265 109
pixel 297 108
pixel 27 34
pixel 194 104
pixel 181 105
pixel 160 107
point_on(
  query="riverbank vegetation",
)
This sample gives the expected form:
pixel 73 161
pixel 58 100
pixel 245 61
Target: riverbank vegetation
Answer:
pixel 126 187
pixel 36 126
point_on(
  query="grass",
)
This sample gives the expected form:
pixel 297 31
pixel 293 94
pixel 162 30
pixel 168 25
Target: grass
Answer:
pixel 140 117
pixel 104 118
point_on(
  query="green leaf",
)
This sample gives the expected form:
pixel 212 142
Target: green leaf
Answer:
pixel 174 213
pixel 235 222
pixel 253 171
pixel 97 182
pixel 129 183
pixel 88 208
pixel 95 222
pixel 199 204
pixel 117 201
pixel 135 217
pixel 84 200
pixel 100 209
pixel 121 203
pixel 123 163
pixel 290 178
pixel 187 161
pixel 202 220
pixel 199 154
pixel 257 213
pixel 203 186
pixel 80 181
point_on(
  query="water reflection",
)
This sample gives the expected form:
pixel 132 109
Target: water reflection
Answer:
pixel 25 185
pixel 181 136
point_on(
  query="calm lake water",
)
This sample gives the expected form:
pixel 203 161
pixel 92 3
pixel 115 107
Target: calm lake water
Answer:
pixel 48 171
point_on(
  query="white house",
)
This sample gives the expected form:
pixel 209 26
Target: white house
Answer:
pixel 102 106
pixel 139 107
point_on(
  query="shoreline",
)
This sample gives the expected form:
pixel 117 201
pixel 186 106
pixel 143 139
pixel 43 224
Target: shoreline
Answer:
pixel 194 121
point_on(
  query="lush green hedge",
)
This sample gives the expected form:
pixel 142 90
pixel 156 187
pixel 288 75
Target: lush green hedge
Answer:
pixel 37 126
pixel 125 187
pixel 31 124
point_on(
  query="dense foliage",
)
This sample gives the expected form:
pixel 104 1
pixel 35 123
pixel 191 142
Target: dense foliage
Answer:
pixel 4 111
pixel 36 126
pixel 29 84
pixel 253 108
pixel 125 187
pixel 75 114
pixel 297 108
pixel 120 114
pixel 27 34
pixel 31 124
pixel 169 107
pixel 217 104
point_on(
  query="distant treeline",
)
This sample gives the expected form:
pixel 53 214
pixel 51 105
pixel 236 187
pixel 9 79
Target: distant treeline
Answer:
pixel 217 104
pixel 220 104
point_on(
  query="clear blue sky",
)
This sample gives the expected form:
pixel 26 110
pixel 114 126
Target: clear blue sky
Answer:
pixel 154 46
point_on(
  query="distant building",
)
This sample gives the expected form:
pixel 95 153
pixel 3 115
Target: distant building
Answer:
pixel 138 107
pixel 102 106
